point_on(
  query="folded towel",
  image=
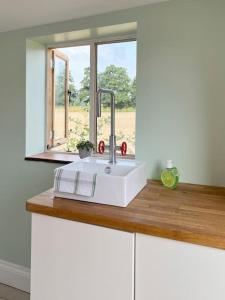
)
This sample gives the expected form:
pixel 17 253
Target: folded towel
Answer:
pixel 75 182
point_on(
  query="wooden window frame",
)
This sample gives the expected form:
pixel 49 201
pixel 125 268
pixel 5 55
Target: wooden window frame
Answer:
pixel 93 85
pixel 51 141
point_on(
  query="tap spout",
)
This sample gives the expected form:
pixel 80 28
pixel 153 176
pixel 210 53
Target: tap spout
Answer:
pixel 112 138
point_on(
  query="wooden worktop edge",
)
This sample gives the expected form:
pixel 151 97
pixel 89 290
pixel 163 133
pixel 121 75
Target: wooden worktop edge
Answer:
pixel 129 226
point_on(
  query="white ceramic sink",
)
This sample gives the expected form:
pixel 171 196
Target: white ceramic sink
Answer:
pixel 115 184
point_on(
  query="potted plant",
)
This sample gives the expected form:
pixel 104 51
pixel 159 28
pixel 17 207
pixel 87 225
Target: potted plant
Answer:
pixel 85 148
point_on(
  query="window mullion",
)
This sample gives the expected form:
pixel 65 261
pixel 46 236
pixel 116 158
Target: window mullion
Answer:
pixel 93 88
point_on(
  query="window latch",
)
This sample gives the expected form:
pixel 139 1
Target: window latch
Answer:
pixel 52 134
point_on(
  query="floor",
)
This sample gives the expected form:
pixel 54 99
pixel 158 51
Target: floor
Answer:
pixel 9 293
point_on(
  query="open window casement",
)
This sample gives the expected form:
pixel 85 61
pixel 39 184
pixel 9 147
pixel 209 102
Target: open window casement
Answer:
pixel 58 98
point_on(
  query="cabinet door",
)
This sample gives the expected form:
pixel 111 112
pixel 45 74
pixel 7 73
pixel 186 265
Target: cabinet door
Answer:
pixel 171 270
pixel 77 261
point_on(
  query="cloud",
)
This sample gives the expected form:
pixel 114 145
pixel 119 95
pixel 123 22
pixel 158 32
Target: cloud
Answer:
pixel 120 54
pixel 79 58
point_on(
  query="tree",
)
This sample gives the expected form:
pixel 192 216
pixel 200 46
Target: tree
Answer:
pixel 133 91
pixel 60 89
pixel 84 92
pixel 72 90
pixel 116 79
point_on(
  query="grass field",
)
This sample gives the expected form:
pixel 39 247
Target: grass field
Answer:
pixel 125 125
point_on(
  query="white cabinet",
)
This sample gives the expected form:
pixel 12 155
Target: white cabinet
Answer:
pixel 77 261
pixel 172 270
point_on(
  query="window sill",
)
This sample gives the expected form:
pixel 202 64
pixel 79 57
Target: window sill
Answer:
pixel 66 158
pixel 54 157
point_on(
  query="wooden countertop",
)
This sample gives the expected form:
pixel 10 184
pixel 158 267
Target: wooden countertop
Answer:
pixel 192 213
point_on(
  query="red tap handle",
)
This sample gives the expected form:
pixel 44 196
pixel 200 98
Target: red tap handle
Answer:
pixel 123 148
pixel 101 147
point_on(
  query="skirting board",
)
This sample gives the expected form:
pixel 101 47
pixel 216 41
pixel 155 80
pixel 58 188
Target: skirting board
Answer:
pixel 15 276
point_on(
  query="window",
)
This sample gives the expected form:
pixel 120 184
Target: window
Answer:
pixel 74 75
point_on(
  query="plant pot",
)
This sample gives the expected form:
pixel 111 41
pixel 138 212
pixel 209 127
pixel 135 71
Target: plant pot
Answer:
pixel 85 153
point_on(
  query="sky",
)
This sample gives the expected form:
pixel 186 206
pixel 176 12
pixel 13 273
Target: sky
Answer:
pixel 119 54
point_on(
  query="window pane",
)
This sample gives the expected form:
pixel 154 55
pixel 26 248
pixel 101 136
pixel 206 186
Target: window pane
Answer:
pixel 79 94
pixel 59 118
pixel 117 71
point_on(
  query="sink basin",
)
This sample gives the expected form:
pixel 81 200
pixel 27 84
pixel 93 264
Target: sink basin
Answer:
pixel 116 184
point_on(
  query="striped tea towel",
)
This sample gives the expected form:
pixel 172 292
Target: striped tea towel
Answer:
pixel 75 182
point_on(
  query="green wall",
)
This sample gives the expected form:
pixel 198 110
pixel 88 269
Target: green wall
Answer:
pixel 35 97
pixel 180 104
pixel 181 89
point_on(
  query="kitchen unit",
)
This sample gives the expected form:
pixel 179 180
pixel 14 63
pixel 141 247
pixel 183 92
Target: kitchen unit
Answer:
pixel 165 245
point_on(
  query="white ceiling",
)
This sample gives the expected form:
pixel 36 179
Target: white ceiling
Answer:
pixel 15 14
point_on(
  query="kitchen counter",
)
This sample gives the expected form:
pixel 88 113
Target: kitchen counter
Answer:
pixel 191 213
